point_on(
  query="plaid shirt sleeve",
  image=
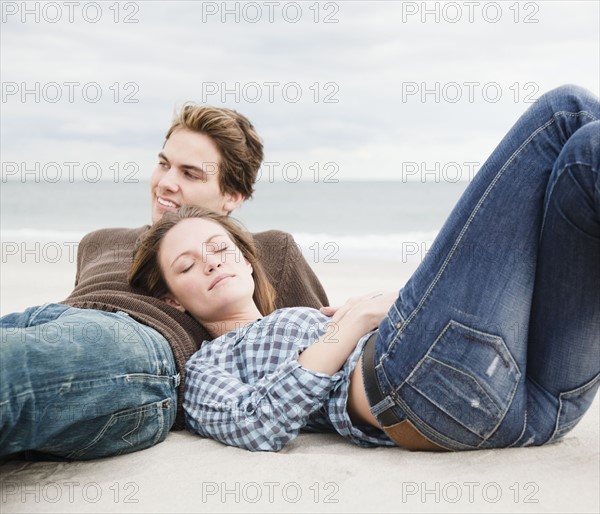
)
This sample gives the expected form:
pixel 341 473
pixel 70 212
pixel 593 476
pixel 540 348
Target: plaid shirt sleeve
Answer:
pixel 262 416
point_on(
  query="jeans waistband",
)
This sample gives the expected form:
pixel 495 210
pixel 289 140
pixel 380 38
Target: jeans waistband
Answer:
pixel 374 395
pixel 401 431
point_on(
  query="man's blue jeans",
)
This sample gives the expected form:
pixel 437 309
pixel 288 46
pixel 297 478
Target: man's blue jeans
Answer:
pixel 495 339
pixel 83 384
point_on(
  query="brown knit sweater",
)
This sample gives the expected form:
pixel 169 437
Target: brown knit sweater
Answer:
pixel 103 261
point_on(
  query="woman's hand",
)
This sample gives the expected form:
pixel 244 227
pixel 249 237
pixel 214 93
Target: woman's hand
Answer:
pixel 369 309
pixel 348 324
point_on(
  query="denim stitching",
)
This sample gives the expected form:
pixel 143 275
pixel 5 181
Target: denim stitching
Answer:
pixel 518 439
pixel 427 430
pixel 518 376
pixel 579 390
pixel 38 311
pixel 123 437
pixel 501 341
pixel 510 396
pixel 139 329
pixel 438 276
pixel 418 365
pixel 398 313
pixel 472 378
pixel 110 422
pixel 474 213
pixel 489 345
pixel 551 191
pixel 161 424
pixel 499 410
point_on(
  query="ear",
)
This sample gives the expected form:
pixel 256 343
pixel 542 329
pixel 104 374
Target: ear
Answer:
pixel 233 201
pixel 249 265
pixel 173 302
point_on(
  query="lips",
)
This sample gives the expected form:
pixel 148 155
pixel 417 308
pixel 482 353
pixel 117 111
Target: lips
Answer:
pixel 165 203
pixel 219 279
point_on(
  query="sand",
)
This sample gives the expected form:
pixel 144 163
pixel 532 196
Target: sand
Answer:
pixel 315 472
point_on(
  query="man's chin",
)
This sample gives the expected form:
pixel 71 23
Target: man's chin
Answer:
pixel 158 213
pixel 156 216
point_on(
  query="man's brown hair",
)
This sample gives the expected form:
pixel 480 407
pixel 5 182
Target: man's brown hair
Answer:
pixel 239 144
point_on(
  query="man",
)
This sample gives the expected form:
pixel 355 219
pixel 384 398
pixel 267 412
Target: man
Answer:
pixel 101 373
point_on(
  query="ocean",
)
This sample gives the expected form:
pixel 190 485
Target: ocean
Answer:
pixel 330 220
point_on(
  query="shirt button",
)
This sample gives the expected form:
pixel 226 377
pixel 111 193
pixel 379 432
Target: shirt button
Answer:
pixel 398 325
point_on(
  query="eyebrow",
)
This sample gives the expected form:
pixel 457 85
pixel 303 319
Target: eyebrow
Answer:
pixel 205 242
pixel 187 167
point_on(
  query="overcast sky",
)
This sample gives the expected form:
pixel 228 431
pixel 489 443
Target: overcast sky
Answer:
pixel 369 86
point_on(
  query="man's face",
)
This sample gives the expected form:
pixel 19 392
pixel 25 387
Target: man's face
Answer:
pixel 188 173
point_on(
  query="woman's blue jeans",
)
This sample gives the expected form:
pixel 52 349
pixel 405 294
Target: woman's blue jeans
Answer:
pixel 495 339
pixel 82 383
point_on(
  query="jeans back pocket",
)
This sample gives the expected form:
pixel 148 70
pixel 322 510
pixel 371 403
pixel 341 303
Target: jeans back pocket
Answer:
pixel 470 376
pixel 129 430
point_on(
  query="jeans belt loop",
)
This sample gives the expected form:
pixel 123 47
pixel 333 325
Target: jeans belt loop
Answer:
pixel 402 432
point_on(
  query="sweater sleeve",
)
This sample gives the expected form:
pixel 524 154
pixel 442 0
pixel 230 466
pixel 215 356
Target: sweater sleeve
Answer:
pixel 291 275
pixel 79 257
pixel 262 416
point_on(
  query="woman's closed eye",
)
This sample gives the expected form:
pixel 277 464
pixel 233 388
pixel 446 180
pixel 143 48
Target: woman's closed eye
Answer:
pixel 186 266
pixel 213 248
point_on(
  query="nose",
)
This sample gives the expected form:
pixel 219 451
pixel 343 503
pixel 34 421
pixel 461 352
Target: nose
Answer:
pixel 212 262
pixel 168 182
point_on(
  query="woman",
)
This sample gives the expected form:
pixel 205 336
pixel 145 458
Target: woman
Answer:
pixel 493 342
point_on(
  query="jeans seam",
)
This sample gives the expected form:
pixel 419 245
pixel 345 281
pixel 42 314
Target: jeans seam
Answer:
pixel 581 389
pixel 161 425
pixel 164 356
pixel 422 359
pixel 476 210
pixel 479 388
pixel 509 400
pixel 35 314
pixel 109 423
pixel 551 191
pixel 39 310
pixel 124 436
pixel 518 439
pixel 580 113
pixel 421 425
pixel 402 319
pixel 150 343
pixel 127 376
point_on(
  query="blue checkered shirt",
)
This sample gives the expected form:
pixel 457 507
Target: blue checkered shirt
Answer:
pixel 247 389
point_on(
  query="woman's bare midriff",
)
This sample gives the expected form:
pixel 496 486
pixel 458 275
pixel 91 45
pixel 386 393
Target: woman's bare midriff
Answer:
pixel 358 404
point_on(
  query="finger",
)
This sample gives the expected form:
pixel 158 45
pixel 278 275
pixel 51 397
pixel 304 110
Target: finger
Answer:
pixel 350 304
pixel 329 310
pixel 343 310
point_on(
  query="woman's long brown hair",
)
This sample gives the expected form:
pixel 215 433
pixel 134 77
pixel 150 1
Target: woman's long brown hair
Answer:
pixel 145 272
